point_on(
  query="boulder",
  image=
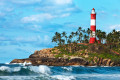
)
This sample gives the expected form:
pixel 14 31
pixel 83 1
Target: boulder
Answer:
pixel 104 62
pixel 108 62
pixel 112 64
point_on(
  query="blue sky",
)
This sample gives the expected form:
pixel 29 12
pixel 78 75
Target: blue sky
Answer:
pixel 28 25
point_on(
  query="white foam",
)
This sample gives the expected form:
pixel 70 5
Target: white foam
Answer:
pixel 17 63
pixel 15 69
pixel 104 76
pixel 41 69
pixel 67 68
pixel 26 63
pixel 5 68
pixel 7 63
pixel 44 69
pixel 63 77
pixel 18 77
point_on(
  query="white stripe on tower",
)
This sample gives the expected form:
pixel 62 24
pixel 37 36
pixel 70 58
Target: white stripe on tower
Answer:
pixel 93 22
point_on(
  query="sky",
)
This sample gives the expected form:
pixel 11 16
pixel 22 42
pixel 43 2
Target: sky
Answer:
pixel 28 25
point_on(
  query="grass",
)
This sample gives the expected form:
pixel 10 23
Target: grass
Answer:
pixel 117 49
pixel 103 54
pixel 113 57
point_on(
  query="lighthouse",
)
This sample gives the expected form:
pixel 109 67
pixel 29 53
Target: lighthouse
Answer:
pixel 93 26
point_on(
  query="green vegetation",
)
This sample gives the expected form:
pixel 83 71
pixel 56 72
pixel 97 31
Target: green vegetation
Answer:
pixel 77 43
pixel 112 39
pixel 113 57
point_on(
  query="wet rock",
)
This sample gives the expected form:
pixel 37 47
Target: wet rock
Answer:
pixel 104 62
pixel 112 64
pixel 108 62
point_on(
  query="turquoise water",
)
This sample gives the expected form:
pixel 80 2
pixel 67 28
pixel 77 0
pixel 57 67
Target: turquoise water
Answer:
pixel 42 72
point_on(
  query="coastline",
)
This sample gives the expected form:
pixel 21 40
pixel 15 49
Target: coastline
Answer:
pixel 52 57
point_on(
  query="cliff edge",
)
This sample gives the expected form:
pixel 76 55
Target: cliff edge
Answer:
pixel 90 55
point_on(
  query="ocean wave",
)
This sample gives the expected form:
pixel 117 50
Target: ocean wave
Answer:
pixel 24 70
pixel 43 72
pixel 5 68
pixel 41 69
pixel 67 68
pixel 24 78
pixel 63 77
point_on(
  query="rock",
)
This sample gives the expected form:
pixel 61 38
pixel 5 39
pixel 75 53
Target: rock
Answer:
pixel 100 61
pixel 108 62
pixel 95 60
pixel 18 61
pixel 104 62
pixel 43 53
pixel 52 61
pixel 46 57
pixel 86 56
pixel 112 64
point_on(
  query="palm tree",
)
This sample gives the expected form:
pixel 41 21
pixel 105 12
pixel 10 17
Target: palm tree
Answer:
pixel 85 38
pixel 79 29
pixel 80 35
pixel 98 34
pixel 70 37
pixel 103 36
pixel 64 34
pixel 54 39
pixel 72 33
pixel 76 33
pixel 88 31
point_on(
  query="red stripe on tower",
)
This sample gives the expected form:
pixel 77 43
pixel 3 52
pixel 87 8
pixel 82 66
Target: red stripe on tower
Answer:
pixel 93 27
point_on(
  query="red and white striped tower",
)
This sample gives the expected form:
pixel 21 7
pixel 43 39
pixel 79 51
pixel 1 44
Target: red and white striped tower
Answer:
pixel 93 27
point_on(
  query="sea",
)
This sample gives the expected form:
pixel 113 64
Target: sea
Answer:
pixel 43 72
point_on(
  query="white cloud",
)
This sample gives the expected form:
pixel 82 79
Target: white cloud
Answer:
pixel 42 17
pixel 47 39
pixel 34 40
pixel 65 15
pixel 25 1
pixel 38 18
pixel 63 2
pixel 117 27
pixel 27 39
pixel 115 15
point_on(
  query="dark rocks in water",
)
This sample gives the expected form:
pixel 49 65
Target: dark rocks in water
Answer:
pixel 52 61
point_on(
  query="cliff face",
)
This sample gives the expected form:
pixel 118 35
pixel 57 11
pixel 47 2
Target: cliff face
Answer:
pixel 46 57
pixel 52 61
pixel 94 55
pixel 43 53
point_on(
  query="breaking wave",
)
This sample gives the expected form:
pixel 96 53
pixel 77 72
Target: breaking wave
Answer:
pixel 42 72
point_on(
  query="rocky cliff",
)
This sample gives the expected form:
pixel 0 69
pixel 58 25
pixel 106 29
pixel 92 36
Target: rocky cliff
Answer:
pixel 50 57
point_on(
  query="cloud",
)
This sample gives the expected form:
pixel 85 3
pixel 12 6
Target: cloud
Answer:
pixel 117 27
pixel 115 15
pixel 25 1
pixel 23 41
pixel 65 15
pixel 63 2
pixel 42 17
pixel 38 18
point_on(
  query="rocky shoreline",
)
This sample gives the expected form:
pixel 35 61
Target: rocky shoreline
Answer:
pixel 46 57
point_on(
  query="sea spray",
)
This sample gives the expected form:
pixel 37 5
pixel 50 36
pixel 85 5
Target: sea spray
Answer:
pixel 44 69
pixel 42 72
pixel 41 69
